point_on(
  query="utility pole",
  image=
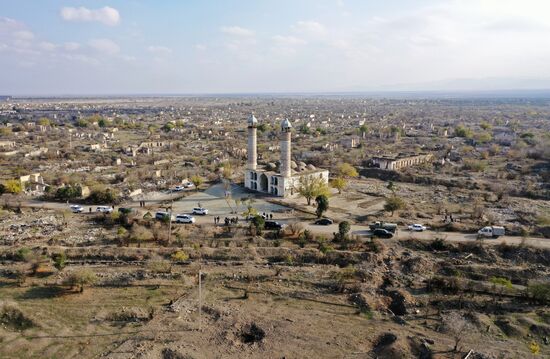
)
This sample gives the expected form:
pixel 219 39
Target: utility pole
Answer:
pixel 170 222
pixel 171 206
pixel 200 296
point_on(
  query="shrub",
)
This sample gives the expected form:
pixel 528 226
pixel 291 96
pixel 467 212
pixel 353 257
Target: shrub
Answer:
pixel 11 316
pixel 59 260
pixel 68 193
pixel 393 204
pixel 12 186
pixel 23 254
pixel 258 222
pixel 80 278
pixel 157 265
pixel 540 292
pixel 103 196
pixel 474 165
pixel 180 256
pixel 462 131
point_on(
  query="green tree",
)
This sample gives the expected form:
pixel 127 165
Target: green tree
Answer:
pixel 310 187
pixel 197 181
pixel 68 192
pixel 102 123
pixel 103 196
pixel 343 229
pixel 483 137
pixel 81 123
pixel 363 129
pixel 44 121
pixel 80 278
pixel 391 186
pixel 259 223
pixel 393 204
pixel 463 131
pixel 485 125
pixel 340 183
pixel 13 186
pixel 346 170
pixel 168 126
pixel 322 205
pixel 59 260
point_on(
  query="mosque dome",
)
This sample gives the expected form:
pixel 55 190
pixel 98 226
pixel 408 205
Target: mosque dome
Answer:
pixel 286 125
pixel 252 120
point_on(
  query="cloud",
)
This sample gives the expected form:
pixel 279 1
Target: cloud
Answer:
pixel 71 46
pixel 311 28
pixel 159 50
pixel 106 46
pixel 237 31
pixel 106 15
pixel 47 46
pixel 23 35
pixel 200 47
pixel 288 40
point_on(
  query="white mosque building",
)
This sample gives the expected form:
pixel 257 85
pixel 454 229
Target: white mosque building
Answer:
pixel 283 183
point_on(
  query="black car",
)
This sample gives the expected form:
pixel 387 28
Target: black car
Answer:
pixel 382 233
pixel 125 210
pixel 273 225
pixel 324 222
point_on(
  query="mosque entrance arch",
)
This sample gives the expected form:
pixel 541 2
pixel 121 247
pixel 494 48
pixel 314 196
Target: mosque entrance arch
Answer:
pixel 263 182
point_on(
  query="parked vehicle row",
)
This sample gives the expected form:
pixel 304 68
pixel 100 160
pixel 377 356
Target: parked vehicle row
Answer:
pixel 182 187
pixel 178 218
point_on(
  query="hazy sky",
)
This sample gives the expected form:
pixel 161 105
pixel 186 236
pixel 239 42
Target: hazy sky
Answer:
pixel 132 46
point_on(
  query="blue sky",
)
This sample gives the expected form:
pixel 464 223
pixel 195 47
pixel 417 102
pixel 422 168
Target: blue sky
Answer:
pixel 133 47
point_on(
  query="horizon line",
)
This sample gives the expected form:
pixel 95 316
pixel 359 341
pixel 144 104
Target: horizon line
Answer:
pixel 374 93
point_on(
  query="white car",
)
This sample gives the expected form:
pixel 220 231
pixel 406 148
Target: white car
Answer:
pixel 188 185
pixel 199 210
pixel 417 227
pixel 76 208
pixel 178 188
pixel 104 209
pixel 185 218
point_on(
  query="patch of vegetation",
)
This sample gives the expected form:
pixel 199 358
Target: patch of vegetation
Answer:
pixel 12 317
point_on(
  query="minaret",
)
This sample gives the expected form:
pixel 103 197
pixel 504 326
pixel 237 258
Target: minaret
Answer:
pixel 251 162
pixel 285 148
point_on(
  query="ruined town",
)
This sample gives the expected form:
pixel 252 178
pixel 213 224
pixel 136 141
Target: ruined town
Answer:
pixel 390 228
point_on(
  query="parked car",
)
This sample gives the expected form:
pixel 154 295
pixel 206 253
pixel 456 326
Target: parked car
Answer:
pixel 188 185
pixel 382 233
pixel 125 210
pixel 273 225
pixel 161 215
pixel 178 188
pixel 104 209
pixel 324 222
pixel 200 211
pixel 185 218
pixel 416 227
pixel 76 208
pixel 491 231
pixel 391 227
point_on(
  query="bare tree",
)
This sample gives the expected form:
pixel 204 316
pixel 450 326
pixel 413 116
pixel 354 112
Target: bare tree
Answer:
pixel 457 327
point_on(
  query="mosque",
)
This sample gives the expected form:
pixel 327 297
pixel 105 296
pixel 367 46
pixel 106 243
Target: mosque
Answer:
pixel 284 182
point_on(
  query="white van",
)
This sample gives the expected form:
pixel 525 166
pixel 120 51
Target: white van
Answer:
pixel 491 231
pixel 104 209
pixel 185 218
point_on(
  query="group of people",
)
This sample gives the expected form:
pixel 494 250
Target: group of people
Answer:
pixel 226 220
pixel 267 215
